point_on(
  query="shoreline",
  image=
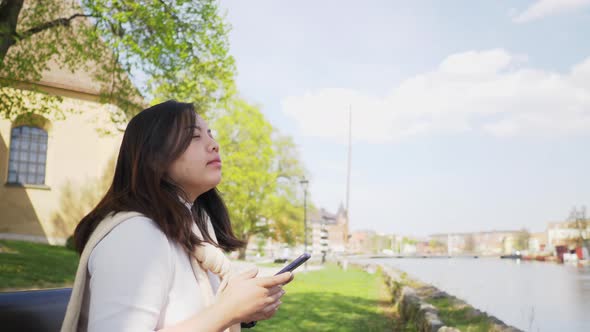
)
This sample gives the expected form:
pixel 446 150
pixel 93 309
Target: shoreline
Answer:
pixel 427 308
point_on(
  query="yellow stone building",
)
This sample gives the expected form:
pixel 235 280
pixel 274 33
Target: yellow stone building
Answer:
pixel 53 170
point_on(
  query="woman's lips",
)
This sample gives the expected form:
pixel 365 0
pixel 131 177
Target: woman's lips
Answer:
pixel 214 163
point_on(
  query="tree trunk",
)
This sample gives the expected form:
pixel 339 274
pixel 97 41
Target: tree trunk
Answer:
pixel 9 11
pixel 242 254
pixel 242 251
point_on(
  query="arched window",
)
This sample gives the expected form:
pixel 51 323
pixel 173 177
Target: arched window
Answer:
pixel 28 154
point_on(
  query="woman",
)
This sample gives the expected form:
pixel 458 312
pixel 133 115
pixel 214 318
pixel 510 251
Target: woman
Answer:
pixel 151 250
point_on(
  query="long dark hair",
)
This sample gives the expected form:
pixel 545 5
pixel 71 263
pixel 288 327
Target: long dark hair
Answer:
pixel 154 138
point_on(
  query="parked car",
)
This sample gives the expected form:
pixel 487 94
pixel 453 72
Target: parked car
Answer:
pixel 283 256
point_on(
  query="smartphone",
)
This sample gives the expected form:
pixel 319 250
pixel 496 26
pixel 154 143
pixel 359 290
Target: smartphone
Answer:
pixel 295 264
pixel 292 266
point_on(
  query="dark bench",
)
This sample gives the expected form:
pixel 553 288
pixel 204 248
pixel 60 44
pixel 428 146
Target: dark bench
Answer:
pixel 37 310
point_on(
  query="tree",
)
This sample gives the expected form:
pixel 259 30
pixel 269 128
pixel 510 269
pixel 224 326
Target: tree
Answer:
pixel 260 175
pixel 285 207
pixel 522 240
pixel 180 45
pixel 244 136
pixel 469 244
pixel 437 246
pixel 578 220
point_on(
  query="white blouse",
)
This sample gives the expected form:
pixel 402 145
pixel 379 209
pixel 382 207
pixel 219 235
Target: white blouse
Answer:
pixel 140 281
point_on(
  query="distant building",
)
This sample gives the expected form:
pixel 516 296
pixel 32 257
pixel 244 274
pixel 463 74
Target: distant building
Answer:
pixel 484 243
pixel 361 241
pixel 371 242
pixel 329 231
pixel 409 248
pixel 538 242
pixel 423 248
pixel 567 233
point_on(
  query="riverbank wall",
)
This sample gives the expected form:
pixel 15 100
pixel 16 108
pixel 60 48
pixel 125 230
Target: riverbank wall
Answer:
pixel 425 308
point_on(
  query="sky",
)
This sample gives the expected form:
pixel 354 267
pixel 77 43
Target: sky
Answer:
pixel 466 115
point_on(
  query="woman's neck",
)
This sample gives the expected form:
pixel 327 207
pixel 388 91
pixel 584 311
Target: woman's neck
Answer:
pixel 189 205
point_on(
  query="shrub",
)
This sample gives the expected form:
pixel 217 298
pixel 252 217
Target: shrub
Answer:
pixel 70 243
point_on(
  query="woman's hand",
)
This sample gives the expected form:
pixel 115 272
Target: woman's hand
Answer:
pixel 247 298
pixel 244 299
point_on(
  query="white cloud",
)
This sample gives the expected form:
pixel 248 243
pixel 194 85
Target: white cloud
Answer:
pixel 543 8
pixel 491 91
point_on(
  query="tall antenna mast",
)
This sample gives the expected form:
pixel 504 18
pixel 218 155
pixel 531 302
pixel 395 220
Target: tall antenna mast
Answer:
pixel 349 158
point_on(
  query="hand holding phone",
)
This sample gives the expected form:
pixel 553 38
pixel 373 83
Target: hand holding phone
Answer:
pixel 289 268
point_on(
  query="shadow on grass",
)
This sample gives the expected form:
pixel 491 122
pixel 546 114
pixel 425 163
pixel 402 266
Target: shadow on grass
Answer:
pixel 327 312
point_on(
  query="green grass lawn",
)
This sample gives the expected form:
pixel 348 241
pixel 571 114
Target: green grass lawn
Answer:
pixel 333 300
pixel 25 265
pixel 459 317
pixel 326 300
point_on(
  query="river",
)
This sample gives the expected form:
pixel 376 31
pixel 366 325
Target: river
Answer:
pixel 533 296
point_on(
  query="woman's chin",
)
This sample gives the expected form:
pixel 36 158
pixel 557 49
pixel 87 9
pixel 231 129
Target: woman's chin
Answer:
pixel 215 181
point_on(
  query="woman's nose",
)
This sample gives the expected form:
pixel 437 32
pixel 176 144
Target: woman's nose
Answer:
pixel 214 145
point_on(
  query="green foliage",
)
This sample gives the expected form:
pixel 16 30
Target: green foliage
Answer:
pixel 260 244
pixel 181 45
pixel 287 216
pixel 409 241
pixel 435 244
pixel 522 240
pixel 284 206
pixel 244 136
pixel 261 174
pixel 70 243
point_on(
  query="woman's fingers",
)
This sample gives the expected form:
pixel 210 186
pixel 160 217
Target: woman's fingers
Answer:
pixel 268 311
pixel 273 290
pixel 281 279
pixel 272 307
pixel 248 274
pixel 290 279
pixel 267 293
pixel 275 297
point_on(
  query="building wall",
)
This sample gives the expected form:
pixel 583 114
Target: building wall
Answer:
pixel 328 232
pixel 337 237
pixel 80 156
pixel 315 238
pixel 486 243
pixel 565 235
pixel 360 242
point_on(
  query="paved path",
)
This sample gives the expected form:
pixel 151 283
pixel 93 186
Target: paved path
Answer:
pixel 268 271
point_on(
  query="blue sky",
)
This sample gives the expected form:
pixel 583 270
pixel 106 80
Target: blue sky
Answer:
pixel 467 115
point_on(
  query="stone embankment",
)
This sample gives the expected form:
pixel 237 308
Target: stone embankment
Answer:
pixel 414 299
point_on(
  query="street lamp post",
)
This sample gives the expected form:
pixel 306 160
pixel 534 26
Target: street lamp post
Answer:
pixel 305 183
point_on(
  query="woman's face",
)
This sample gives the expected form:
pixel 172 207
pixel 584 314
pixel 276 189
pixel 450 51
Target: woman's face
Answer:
pixel 198 169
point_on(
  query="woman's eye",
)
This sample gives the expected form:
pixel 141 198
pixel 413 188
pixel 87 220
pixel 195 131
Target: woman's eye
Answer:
pixel 197 136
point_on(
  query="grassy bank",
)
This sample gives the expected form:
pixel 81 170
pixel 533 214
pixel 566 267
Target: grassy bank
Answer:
pixel 326 300
pixel 460 317
pixel 25 265
pixel 334 300
pixel 451 311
